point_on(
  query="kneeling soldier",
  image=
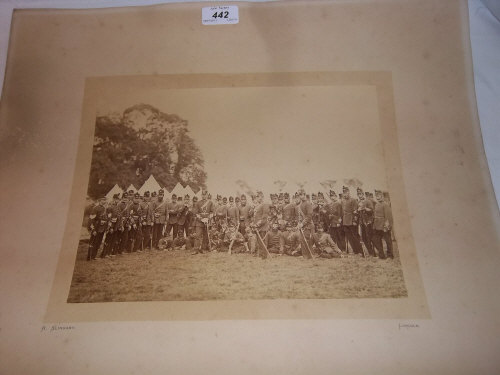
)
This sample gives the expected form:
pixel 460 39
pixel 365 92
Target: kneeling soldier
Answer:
pixel 325 245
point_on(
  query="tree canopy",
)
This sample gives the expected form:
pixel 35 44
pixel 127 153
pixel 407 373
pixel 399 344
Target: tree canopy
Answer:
pixel 140 142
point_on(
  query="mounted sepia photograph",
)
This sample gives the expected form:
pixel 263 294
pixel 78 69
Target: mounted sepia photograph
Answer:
pixel 246 187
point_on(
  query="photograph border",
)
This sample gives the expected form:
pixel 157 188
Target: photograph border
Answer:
pixel 412 307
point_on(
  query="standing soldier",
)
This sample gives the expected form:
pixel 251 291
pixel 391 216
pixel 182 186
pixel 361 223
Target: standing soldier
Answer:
pixel 291 211
pixel 183 220
pixel 147 221
pixel 97 226
pixel 382 226
pixel 112 229
pixel 260 220
pixel 221 215
pixel 123 229
pixel 245 214
pixel 135 213
pixel 261 215
pixel 274 200
pixel 173 211
pixel 281 203
pixel 191 221
pixel 365 209
pixel 203 211
pixel 334 210
pixel 350 211
pixel 305 220
pixel 233 214
pixel 160 213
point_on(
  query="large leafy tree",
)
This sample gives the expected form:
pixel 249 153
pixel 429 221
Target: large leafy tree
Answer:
pixel 143 141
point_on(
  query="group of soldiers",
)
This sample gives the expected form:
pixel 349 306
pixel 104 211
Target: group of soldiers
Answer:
pixel 298 225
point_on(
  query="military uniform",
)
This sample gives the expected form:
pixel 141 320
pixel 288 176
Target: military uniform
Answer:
pixel 233 214
pixel 382 226
pixel 220 217
pixel 191 223
pixel 112 229
pixel 291 214
pixel 172 221
pixel 97 225
pixel 275 241
pixel 349 221
pixel 160 213
pixel 325 245
pixel 233 237
pixel 291 239
pixel 334 212
pixel 245 214
pixel 135 213
pixel 260 218
pixel 365 209
pixel 183 221
pixel 203 211
pixel 146 222
pixel 122 221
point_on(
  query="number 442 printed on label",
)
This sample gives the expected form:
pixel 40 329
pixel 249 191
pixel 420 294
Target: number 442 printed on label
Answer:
pixel 220 15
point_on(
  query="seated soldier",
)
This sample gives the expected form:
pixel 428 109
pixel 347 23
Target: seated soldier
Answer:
pixel 325 245
pixel 291 240
pixel 234 238
pixel 274 239
pixel 251 240
pixel 216 238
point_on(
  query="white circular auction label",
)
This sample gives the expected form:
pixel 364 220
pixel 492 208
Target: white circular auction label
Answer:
pixel 220 15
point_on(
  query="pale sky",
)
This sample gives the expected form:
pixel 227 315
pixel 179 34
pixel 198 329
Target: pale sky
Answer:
pixel 263 134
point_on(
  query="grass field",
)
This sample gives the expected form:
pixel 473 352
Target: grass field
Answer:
pixel 178 275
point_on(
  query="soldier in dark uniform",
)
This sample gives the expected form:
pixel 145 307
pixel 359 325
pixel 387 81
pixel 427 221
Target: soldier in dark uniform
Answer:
pixel 203 211
pixel 334 211
pixel 382 226
pixel 291 239
pixel 261 215
pixel 281 203
pixel 244 214
pixel 220 218
pixel 112 229
pixel 160 214
pixel 183 220
pixel 291 211
pixel 365 209
pixel 97 225
pixel 233 214
pixel 324 244
pixel 275 240
pixel 173 210
pixel 146 222
pixel 191 223
pixel 135 213
pixel 233 237
pixel 305 219
pixel 122 236
pixel 350 211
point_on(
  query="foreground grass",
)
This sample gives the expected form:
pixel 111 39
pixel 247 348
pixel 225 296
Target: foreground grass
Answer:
pixel 177 275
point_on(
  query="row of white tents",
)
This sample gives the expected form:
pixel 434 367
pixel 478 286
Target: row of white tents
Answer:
pixel 152 185
pixel 230 189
